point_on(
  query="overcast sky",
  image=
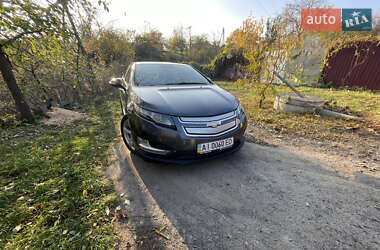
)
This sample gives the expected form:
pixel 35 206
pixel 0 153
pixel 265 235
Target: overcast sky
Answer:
pixel 204 16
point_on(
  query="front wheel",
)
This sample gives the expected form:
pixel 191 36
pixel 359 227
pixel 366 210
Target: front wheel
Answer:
pixel 126 133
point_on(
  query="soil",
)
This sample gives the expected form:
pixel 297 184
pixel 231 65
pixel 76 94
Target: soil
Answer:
pixel 60 116
pixel 359 152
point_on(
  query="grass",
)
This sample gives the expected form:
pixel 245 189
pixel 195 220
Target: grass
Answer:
pixel 362 103
pixel 53 192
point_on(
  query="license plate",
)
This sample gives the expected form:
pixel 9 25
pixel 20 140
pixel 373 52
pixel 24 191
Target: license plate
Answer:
pixel 215 145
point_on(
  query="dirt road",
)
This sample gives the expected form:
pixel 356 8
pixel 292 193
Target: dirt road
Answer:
pixel 261 197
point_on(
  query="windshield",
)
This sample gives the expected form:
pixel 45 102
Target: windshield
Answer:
pixel 151 74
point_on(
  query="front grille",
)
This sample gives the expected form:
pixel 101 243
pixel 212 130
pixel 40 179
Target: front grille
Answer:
pixel 209 126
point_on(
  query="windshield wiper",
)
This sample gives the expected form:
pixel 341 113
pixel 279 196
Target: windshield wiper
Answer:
pixel 183 83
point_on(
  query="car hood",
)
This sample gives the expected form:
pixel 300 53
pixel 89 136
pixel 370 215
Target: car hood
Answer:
pixel 193 100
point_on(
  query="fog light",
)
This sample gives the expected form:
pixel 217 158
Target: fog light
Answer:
pixel 144 145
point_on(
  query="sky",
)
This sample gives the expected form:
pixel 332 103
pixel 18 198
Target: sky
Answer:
pixel 204 16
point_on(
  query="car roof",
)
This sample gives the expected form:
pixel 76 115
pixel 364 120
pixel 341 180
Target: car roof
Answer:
pixel 136 63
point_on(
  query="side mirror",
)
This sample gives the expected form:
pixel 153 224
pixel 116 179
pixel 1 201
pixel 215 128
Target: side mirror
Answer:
pixel 116 82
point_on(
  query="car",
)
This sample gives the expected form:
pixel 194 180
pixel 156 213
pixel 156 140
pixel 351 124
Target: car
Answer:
pixel 174 113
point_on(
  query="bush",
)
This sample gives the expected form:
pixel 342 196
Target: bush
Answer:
pixel 227 57
pixel 206 69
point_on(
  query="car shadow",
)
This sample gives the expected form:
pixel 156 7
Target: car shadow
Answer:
pixel 259 197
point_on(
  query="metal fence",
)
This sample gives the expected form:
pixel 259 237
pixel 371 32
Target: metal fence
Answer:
pixel 347 69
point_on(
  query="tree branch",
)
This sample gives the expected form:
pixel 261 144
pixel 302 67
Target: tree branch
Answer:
pixel 18 36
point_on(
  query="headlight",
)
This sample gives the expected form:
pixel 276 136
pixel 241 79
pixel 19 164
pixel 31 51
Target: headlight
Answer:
pixel 240 110
pixel 160 119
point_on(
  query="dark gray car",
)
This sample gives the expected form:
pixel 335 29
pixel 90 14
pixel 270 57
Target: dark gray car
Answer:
pixel 173 113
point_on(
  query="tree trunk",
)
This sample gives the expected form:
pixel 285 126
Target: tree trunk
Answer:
pixel 9 78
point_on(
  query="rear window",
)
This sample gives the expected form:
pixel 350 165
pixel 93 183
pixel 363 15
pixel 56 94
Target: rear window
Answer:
pixel 166 74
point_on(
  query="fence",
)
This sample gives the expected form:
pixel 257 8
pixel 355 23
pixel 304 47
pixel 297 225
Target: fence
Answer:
pixel 344 68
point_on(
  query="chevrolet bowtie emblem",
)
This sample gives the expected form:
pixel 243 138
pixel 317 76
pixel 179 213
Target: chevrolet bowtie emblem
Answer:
pixel 214 124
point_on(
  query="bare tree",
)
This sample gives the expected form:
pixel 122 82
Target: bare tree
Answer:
pixel 292 13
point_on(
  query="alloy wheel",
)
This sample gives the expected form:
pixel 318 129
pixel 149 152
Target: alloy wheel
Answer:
pixel 127 134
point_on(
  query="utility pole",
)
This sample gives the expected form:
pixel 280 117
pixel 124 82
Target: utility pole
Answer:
pixel 223 36
pixel 190 54
pixel 221 40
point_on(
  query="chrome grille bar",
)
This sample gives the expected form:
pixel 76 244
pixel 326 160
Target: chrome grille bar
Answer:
pixel 210 131
pixel 209 118
pixel 209 126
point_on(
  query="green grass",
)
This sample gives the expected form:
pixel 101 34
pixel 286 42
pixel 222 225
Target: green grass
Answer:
pixel 44 171
pixel 362 103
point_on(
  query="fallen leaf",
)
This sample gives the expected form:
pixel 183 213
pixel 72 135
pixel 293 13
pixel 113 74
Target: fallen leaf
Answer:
pixel 119 213
pixel 107 211
pixel 56 223
pixel 21 198
pixel 17 229
pixel 40 184
pixel 9 186
pixel 65 231
pixel 55 191
pixel 84 192
pixel 161 234
pixel 127 202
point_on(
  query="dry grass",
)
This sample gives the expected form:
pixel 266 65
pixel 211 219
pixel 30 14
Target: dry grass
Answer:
pixel 362 103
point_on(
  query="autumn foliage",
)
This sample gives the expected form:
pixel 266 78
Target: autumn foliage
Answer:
pixel 268 46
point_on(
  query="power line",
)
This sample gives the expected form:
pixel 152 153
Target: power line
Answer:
pixel 262 6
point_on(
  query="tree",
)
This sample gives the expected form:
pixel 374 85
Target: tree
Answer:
pixel 202 50
pixel 177 42
pixel 149 46
pixel 9 78
pixel 292 13
pixel 20 20
pixel 268 46
pixel 111 46
pixel 230 56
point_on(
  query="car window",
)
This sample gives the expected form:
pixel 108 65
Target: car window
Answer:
pixel 150 74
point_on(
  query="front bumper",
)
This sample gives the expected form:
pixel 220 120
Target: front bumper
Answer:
pixel 176 145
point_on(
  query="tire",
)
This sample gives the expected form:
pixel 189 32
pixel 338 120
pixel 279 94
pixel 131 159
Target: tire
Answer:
pixel 127 134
